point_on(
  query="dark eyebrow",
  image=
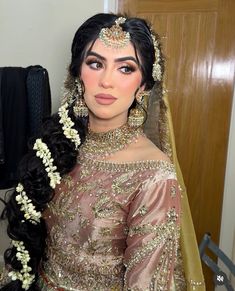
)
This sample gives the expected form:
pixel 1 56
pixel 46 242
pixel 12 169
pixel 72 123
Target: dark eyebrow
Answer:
pixel 90 53
pixel 129 58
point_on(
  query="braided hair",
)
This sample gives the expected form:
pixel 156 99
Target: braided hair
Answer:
pixel 36 183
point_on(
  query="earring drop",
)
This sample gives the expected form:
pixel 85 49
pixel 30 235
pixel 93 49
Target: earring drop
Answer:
pixel 137 115
pixel 80 109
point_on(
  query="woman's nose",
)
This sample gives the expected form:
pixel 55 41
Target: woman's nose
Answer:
pixel 106 79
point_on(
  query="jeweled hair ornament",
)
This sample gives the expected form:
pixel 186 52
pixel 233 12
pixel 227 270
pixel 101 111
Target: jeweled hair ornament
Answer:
pixel 115 36
pixel 157 70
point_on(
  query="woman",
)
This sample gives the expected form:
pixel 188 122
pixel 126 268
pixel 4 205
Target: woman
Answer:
pixel 97 206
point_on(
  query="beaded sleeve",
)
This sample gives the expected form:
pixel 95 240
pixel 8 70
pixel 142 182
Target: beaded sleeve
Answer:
pixel 153 236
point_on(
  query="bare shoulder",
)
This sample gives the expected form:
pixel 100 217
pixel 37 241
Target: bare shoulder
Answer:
pixel 142 150
pixel 149 151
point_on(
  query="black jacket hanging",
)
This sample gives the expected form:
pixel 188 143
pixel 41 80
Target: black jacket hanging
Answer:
pixel 25 101
pixel 1 125
pixel 39 98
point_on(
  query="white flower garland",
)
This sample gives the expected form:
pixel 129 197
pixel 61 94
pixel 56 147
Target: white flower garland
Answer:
pixel 69 132
pixel 44 153
pixel 22 256
pixel 27 206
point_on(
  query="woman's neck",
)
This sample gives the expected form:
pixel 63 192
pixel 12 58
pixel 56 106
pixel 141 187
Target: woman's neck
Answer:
pixel 103 125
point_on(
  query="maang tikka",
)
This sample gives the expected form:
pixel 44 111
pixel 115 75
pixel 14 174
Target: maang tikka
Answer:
pixel 115 36
pixel 80 109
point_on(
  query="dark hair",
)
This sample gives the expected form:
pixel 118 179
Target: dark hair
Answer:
pixel 140 37
pixel 33 176
pixel 32 173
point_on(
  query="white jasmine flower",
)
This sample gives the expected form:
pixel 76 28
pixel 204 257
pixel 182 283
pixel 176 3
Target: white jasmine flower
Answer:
pixel 69 132
pixel 27 206
pixel 23 275
pixel 44 153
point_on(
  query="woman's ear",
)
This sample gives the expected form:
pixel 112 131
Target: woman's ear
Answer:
pixel 141 89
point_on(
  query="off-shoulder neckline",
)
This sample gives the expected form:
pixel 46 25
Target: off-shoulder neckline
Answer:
pixel 128 165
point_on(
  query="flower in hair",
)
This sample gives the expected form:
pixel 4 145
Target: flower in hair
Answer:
pixel 27 206
pixel 23 257
pixel 67 123
pixel 45 155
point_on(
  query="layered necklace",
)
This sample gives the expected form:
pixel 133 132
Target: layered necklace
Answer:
pixel 102 144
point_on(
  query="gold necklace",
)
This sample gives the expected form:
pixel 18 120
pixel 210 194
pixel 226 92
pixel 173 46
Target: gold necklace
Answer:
pixel 103 144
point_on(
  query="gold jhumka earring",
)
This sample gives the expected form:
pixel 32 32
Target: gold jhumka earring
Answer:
pixel 80 109
pixel 137 115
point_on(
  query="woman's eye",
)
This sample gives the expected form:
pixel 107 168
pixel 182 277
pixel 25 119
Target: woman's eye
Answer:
pixel 127 69
pixel 94 64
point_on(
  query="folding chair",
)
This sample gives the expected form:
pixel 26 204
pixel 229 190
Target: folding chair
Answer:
pixel 220 278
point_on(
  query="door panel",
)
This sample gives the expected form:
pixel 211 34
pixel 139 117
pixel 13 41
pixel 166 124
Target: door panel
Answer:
pixel 198 42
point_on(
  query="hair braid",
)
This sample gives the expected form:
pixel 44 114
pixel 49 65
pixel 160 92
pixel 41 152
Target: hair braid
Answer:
pixel 36 183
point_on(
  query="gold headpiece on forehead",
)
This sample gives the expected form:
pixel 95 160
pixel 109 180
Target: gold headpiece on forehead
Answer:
pixel 115 36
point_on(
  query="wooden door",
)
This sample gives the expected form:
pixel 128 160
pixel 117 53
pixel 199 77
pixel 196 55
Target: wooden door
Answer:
pixel 198 41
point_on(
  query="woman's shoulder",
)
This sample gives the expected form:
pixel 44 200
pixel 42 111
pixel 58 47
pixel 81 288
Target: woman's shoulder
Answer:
pixel 145 149
pixel 141 156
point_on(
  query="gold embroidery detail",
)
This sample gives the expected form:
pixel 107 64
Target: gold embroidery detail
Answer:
pixel 105 231
pixel 86 186
pixel 91 276
pixel 104 207
pixel 144 229
pixel 124 179
pixel 84 173
pixel 143 210
pixel 60 207
pixel 171 215
pixel 173 191
pixel 68 181
pixel 179 276
pixel 84 222
pixel 135 166
pixel 196 284
pixel 162 272
pixel 167 231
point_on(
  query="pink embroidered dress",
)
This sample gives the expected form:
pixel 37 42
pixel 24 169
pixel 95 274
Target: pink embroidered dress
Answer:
pixel 114 226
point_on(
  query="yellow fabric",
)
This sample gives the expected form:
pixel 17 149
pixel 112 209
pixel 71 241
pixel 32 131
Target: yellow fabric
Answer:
pixel 189 247
pixel 159 129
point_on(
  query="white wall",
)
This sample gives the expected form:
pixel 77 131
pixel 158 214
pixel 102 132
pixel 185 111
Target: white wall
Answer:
pixel 40 32
pixel 227 233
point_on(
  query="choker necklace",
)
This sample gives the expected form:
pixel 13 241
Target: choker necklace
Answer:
pixel 103 144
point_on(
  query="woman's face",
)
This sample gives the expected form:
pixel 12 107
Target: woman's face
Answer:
pixel 111 77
